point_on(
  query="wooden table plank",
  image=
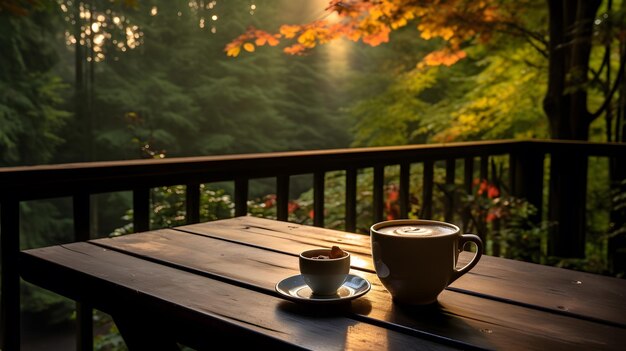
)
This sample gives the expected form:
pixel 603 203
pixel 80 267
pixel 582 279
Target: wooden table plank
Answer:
pixel 586 295
pixel 285 237
pixel 563 291
pixel 117 281
pixel 480 322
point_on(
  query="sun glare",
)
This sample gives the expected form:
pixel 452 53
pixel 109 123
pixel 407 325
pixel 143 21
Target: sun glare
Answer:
pixel 99 27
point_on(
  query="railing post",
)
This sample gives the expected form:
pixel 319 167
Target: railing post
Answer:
pixel 351 177
pixel 141 210
pixel 282 197
pixel 84 313
pixel 377 198
pixel 427 196
pixel 241 196
pixel 449 195
pixel 616 248
pixel 527 178
pixel 484 167
pixel 318 198
pixel 468 183
pixel 10 241
pixel 567 205
pixel 405 189
pixel 192 203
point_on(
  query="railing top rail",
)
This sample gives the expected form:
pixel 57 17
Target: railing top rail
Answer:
pixel 584 147
pixel 30 182
pixel 423 149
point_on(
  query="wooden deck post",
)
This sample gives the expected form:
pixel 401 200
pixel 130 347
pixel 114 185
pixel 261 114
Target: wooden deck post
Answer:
pixel 282 197
pixel 192 203
pixel 468 183
pixel 241 196
pixel 10 247
pixel 527 178
pixel 427 196
pixel 351 180
pixel 449 196
pixel 319 179
pixel 567 206
pixel 141 210
pixel 378 193
pixel 405 189
pixel 84 312
pixel 617 244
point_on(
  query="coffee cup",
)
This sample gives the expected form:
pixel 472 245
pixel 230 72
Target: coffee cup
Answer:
pixel 324 275
pixel 416 259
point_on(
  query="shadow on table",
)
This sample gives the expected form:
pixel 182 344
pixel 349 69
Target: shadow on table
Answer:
pixel 436 322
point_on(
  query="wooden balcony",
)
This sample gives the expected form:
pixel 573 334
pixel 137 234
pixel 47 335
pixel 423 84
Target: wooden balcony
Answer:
pixel 526 160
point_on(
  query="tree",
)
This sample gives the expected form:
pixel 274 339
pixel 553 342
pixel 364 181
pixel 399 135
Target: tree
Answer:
pixel 572 28
pixel 31 113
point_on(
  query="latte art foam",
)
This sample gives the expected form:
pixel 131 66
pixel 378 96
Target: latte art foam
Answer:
pixel 417 230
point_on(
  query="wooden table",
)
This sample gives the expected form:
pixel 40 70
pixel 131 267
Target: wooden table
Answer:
pixel 201 283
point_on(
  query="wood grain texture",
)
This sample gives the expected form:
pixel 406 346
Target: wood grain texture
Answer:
pixel 201 311
pixel 480 322
pixel 552 288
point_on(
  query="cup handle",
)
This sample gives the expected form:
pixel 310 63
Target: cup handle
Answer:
pixel 479 252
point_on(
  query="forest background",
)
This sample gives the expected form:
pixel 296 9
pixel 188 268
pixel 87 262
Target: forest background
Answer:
pixel 111 80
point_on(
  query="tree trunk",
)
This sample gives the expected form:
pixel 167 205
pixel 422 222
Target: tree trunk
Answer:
pixel 565 104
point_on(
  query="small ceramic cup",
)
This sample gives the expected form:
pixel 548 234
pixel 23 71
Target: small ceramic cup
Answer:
pixel 324 276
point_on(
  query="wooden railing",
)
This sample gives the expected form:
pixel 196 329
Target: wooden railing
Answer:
pixel 80 181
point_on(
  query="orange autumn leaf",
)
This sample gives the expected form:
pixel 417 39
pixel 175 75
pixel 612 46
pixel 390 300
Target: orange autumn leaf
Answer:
pixel 289 31
pixel 233 51
pixel 272 41
pixel 307 38
pixel 295 49
pixel 378 37
pixel 456 22
pixel 249 47
pixel 263 38
pixel 260 41
pixel 443 57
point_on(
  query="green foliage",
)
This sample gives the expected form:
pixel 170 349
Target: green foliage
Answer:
pixel 488 96
pixel 190 99
pixel 111 340
pixel 168 208
pixel 401 112
pixel 30 92
pixel 618 204
pixel 506 223
pixel 502 100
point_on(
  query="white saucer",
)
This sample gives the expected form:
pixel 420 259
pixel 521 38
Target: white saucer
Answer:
pixel 294 288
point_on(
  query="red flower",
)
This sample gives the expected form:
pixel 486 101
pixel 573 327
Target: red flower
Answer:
pixel 311 214
pixel 493 215
pixel 270 200
pixel 393 194
pixel 492 191
pixel 483 187
pixel 292 206
pixel 391 205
